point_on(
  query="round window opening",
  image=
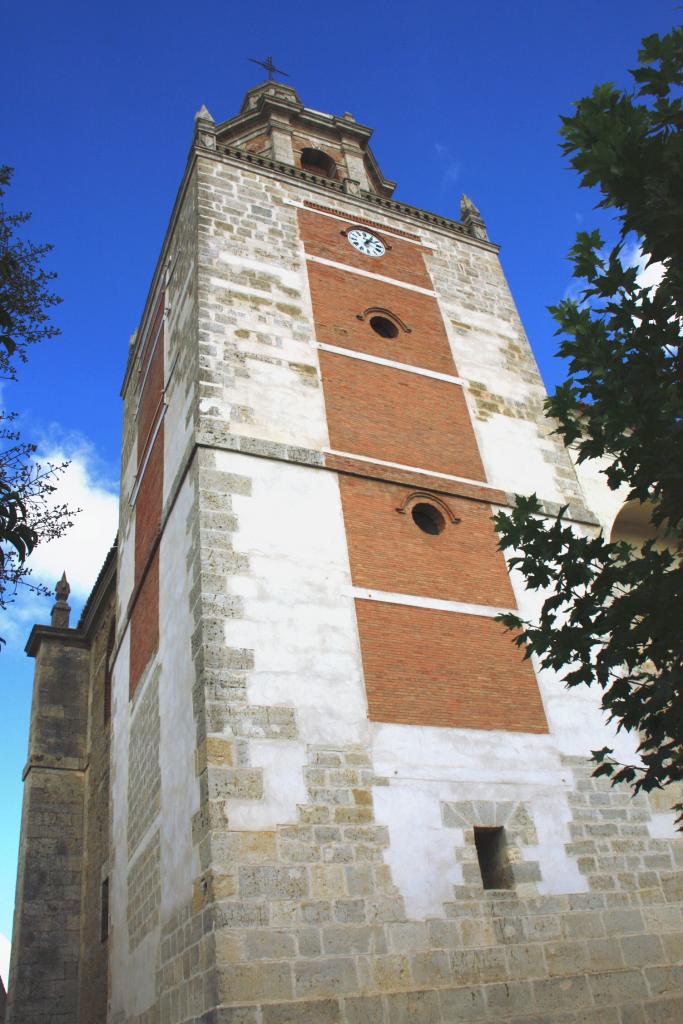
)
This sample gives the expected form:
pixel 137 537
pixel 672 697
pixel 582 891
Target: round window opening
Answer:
pixel 428 518
pixel 384 327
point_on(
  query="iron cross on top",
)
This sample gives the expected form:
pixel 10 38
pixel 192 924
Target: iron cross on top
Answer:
pixel 269 66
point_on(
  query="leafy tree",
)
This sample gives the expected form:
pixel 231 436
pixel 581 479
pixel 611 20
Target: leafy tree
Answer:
pixel 28 514
pixel 612 614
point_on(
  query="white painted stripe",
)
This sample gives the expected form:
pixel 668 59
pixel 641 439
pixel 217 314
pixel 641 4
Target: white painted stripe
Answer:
pixel 368 273
pixel 406 367
pixel 412 469
pixel 148 365
pixel 349 219
pixel 414 601
pixel 148 451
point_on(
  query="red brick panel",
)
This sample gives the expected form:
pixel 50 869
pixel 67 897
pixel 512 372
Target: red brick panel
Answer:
pixel 340 297
pixel 151 398
pixel 426 667
pixel 322 236
pixel 396 416
pixel 387 551
pixel 144 624
pixel 148 503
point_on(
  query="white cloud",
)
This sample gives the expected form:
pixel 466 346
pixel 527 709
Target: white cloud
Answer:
pixel 5 947
pixel 648 276
pixel 82 550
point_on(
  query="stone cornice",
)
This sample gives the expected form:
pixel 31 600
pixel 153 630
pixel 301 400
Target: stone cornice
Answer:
pixel 46 762
pixel 423 217
pixel 66 637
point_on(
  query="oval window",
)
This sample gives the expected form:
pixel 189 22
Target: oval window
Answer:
pixel 428 518
pixel 383 326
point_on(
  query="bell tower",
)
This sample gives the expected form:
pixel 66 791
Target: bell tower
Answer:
pixel 338 793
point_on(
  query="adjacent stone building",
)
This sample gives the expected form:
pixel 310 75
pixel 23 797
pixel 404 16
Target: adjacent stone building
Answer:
pixel 288 769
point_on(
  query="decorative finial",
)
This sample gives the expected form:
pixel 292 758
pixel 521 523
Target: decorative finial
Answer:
pixel 203 115
pixel 61 609
pixel 269 66
pixel 472 219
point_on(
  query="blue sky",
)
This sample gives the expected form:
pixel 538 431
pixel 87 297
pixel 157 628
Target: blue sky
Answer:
pixel 97 119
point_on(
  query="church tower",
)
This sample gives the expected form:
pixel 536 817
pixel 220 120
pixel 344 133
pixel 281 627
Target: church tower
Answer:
pixel 337 794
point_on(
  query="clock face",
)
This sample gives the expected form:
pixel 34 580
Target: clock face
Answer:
pixel 365 242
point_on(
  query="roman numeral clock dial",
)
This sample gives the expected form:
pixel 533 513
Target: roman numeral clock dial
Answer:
pixel 366 242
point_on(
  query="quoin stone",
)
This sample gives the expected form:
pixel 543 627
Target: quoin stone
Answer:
pixel 288 768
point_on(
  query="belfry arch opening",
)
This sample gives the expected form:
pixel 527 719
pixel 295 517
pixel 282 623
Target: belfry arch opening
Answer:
pixel 634 525
pixel 316 162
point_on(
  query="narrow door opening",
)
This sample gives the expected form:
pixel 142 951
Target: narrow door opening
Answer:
pixel 494 862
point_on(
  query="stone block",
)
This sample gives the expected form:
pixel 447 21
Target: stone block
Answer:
pixel 642 950
pixel 228 947
pixel 604 955
pixel 462 1004
pixel 408 936
pixel 583 924
pixel 214 750
pixel 256 982
pixel 625 987
pixel 525 961
pixel 276 883
pixel 414 1008
pixel 269 945
pixel 431 969
pixel 623 921
pixel 350 911
pixel 665 980
pixel 328 881
pixel 238 914
pixel 328 977
pixel 665 1011
pixel 556 994
pixel 391 972
pixel 315 1012
pixel 509 998
pixel 316 911
pixel 359 880
pixel 363 1010
pixel 310 942
pixel 350 939
pixel 565 957
pixel 238 847
pixel 475 966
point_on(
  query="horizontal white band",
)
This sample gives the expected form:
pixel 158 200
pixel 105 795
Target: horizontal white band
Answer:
pixel 368 273
pixel 414 601
pixel 406 367
pixel 411 469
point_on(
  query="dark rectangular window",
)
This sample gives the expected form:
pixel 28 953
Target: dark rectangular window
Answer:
pixel 492 853
pixel 104 911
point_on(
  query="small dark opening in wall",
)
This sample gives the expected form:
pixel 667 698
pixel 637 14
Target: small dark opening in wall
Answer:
pixel 494 862
pixel 316 162
pixel 428 518
pixel 384 327
pixel 104 911
pixel 106 697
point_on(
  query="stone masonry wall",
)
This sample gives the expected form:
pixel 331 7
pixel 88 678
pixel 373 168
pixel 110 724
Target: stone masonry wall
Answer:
pixel 46 934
